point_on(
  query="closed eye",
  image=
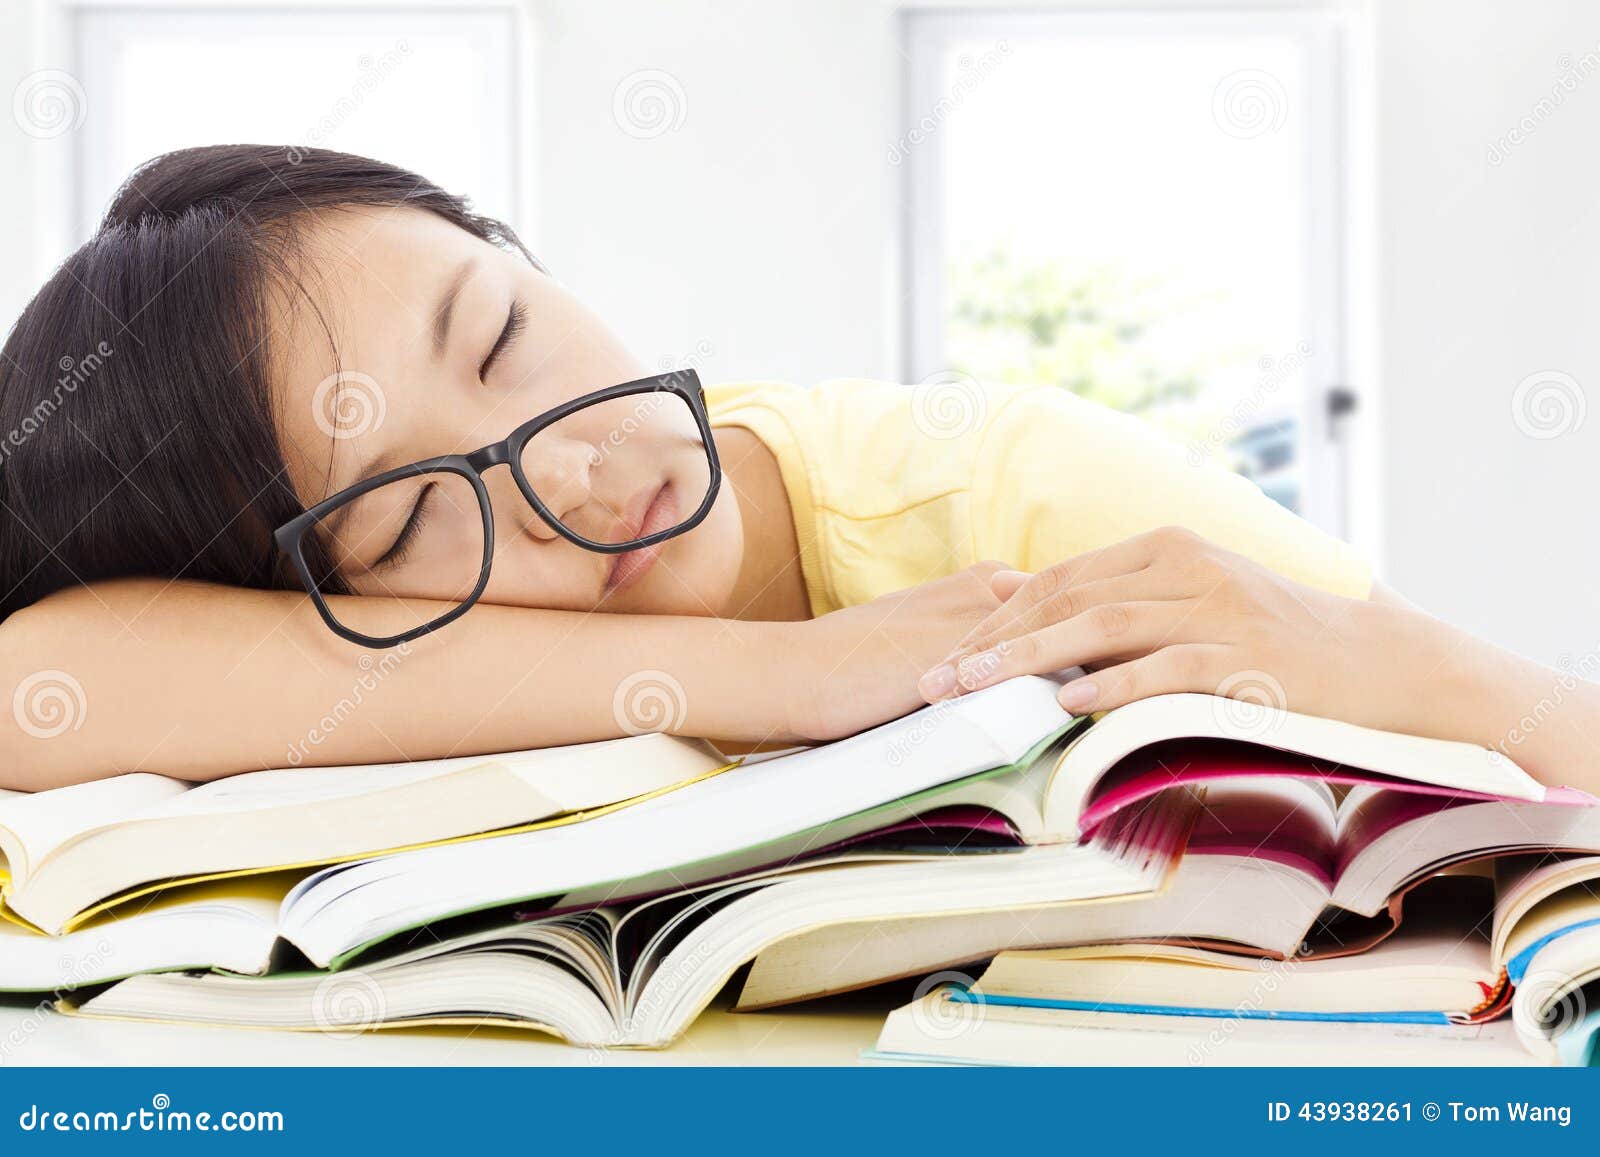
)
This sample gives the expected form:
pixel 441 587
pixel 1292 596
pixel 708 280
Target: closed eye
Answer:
pixel 516 322
pixel 396 553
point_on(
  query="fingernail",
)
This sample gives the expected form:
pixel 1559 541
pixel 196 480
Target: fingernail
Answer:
pixel 1078 696
pixel 1008 580
pixel 937 683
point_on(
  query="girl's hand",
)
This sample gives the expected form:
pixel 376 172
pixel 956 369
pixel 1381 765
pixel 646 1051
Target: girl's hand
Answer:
pixel 858 667
pixel 1163 612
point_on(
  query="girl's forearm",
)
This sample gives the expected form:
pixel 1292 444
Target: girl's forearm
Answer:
pixel 1433 679
pixel 198 681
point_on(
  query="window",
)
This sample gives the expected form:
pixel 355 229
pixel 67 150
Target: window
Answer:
pixel 422 86
pixel 1139 208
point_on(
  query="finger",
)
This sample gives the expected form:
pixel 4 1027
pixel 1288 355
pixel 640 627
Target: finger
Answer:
pixel 1006 583
pixel 1182 667
pixel 1111 632
pixel 1120 558
pixel 1001 625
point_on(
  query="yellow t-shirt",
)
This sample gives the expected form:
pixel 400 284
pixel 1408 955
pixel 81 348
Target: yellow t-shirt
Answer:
pixel 894 485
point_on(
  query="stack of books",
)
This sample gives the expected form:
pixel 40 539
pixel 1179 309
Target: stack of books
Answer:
pixel 1090 884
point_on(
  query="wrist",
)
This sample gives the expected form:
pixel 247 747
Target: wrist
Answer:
pixel 759 684
pixel 801 677
pixel 1425 677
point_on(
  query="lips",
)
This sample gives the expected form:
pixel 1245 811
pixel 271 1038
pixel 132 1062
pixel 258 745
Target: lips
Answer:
pixel 660 513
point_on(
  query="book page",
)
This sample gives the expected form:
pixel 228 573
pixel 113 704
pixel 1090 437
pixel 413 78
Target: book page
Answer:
pixel 32 824
pixel 572 777
pixel 1539 898
pixel 295 787
pixel 1279 741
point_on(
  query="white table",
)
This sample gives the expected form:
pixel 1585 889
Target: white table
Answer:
pixel 832 1032
pixel 829 1035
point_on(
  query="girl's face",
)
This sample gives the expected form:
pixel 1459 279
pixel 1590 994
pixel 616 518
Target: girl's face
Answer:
pixel 446 343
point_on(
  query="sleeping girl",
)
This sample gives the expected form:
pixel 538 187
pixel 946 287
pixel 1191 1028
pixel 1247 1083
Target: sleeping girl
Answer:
pixel 333 414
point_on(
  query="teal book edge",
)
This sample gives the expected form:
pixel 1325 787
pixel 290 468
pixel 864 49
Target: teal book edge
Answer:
pixel 965 997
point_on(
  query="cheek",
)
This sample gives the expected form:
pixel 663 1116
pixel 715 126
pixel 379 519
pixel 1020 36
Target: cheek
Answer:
pixel 698 573
pixel 544 575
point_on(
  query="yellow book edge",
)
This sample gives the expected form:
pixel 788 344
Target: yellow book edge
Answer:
pixel 69 1006
pixel 105 906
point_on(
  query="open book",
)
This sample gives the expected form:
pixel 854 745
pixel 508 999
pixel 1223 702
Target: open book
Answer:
pixel 1099 777
pixel 1278 865
pixel 732 823
pixel 964 774
pixel 1438 968
pixel 74 850
pixel 638 974
pixel 764 812
pixel 1528 940
pixel 228 924
pixel 939 1029
pixel 1547 929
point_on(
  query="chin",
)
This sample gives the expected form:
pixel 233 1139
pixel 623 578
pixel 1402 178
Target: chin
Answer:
pixel 695 586
pixel 695 575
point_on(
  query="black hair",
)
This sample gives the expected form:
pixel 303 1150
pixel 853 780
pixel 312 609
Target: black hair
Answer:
pixel 136 410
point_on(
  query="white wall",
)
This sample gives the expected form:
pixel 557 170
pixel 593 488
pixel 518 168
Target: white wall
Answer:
pixel 1490 273
pixel 760 231
pixel 17 151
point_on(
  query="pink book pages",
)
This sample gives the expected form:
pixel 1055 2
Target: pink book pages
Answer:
pixel 1198 762
pixel 1303 858
pixel 1382 812
pixel 1267 827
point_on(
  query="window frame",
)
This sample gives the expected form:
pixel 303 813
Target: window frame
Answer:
pixel 56 43
pixel 926 32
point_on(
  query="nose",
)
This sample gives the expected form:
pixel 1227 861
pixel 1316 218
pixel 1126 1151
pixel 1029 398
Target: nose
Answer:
pixel 560 471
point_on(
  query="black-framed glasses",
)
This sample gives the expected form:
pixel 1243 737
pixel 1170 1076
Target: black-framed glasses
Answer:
pixel 615 471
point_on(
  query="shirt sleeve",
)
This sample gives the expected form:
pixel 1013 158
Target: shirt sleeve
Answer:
pixel 1058 476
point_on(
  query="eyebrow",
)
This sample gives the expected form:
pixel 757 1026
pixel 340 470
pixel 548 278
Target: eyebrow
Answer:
pixel 442 315
pixel 447 305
